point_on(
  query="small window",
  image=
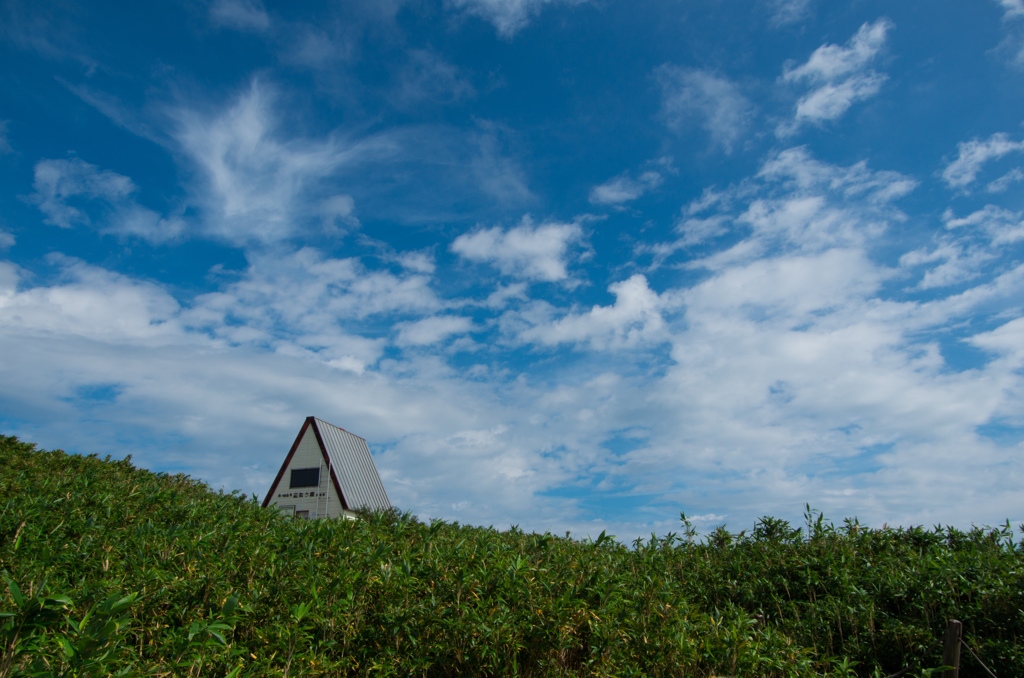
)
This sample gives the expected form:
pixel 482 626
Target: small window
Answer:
pixel 305 477
pixel 302 515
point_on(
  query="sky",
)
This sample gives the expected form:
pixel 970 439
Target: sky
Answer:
pixel 571 265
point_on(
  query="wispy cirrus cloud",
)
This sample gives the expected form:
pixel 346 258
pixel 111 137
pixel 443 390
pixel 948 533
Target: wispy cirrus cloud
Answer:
pixel 508 16
pixel 5 145
pixel 625 188
pixel 692 96
pixel 973 155
pixel 259 184
pixel 242 15
pixel 839 75
pixel 786 12
pixel 1012 8
pixel 428 78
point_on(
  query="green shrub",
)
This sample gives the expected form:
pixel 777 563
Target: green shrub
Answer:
pixel 113 570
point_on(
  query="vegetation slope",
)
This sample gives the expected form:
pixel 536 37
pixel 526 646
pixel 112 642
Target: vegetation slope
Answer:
pixel 113 570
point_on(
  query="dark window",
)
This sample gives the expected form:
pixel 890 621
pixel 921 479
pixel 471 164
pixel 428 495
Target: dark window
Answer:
pixel 305 477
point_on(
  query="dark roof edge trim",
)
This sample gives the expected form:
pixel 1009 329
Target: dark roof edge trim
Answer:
pixel 288 459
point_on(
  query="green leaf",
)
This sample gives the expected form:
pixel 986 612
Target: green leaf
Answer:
pixel 230 605
pixel 19 599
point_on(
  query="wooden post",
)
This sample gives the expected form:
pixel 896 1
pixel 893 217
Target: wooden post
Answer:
pixel 951 648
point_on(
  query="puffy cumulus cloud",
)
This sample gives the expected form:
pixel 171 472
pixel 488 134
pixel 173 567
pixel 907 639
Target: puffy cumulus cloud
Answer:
pixel 792 378
pixel 797 370
pixel 810 206
pixel 91 303
pixel 532 251
pixel 634 318
pixel 797 202
pixel 224 381
pixel 797 169
pixel 972 156
pixel 306 303
pixel 508 16
pixel 242 15
pixel 693 96
pixel 787 365
pixel 433 330
pixel 260 185
pixel 64 189
pixel 839 75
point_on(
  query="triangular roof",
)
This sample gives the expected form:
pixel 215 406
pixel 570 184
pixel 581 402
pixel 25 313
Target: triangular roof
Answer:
pixel 353 474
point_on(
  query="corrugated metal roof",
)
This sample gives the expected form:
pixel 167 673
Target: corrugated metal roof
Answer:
pixel 353 468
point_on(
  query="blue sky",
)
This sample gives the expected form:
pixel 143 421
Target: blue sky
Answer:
pixel 567 264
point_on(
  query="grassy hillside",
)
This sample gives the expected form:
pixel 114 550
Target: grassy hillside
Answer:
pixel 111 570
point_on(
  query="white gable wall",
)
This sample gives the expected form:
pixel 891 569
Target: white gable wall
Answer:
pixel 315 500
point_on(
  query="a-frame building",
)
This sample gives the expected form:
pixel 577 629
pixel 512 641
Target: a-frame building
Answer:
pixel 328 473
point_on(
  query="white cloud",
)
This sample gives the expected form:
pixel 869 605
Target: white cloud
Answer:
pixel 1014 8
pixel 951 263
pixel 691 96
pixel 623 188
pixel 793 374
pixel 508 16
pixel 429 78
pixel 531 251
pixel 95 304
pixel 7 240
pixel 785 12
pixel 242 15
pixel 433 330
pixel 813 211
pixel 418 262
pixel 58 180
pixel 1002 226
pixel 1002 183
pixel 634 318
pixel 840 76
pixel 5 145
pixel 972 156
pixel 496 173
pixel 307 300
pixel 1013 43
pixel 259 182
pixel 59 183
pixel 831 101
pixel 339 208
pixel 829 63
